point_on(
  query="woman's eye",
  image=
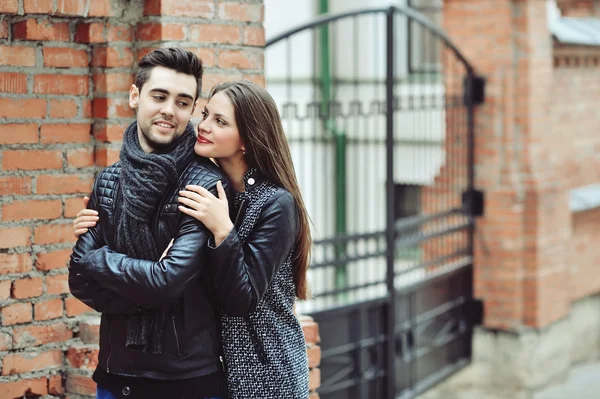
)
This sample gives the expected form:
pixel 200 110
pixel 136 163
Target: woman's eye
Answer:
pixel 204 114
pixel 220 121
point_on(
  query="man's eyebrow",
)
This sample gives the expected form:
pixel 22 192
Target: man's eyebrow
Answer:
pixel 164 91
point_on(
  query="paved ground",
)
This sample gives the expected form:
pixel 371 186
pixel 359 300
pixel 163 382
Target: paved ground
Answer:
pixel 583 383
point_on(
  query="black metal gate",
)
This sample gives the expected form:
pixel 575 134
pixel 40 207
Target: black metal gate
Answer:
pixel 378 109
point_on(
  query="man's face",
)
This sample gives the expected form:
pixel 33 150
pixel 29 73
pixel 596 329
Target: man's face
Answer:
pixel 164 107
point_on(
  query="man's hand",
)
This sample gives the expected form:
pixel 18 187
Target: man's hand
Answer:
pixel 86 218
pixel 212 211
pixel 166 250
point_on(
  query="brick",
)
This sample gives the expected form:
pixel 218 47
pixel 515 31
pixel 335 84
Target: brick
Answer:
pixel 310 329
pixel 9 6
pixel 15 263
pixel 151 32
pixel 22 108
pixel 17 313
pixel 254 36
pixel 212 33
pixel 23 388
pixel 75 307
pixel 11 237
pixel 64 184
pixel 61 57
pixel 56 285
pixel 102 8
pixel 17 56
pixel 112 82
pixel 119 33
pixel 209 80
pixel 19 134
pixel 32 210
pixel 314 379
pixel 240 59
pixel 70 7
pixel 314 356
pixel 15 185
pixel 56 385
pixel 5 286
pixel 27 288
pixel 5 341
pixel 73 206
pixel 13 82
pixel 259 79
pixel 53 234
pixel 26 362
pixel 241 12
pixel 106 156
pixel 63 109
pixel 3 29
pixel 207 55
pixel 112 57
pixel 53 260
pixel 86 109
pixel 37 6
pixel 141 52
pixel 109 132
pixel 80 158
pixel 61 84
pixel 111 108
pixel 43 30
pixel 195 9
pixel 32 159
pixel 80 384
pixel 89 331
pixel 65 133
pixel 83 357
pixel 49 309
pixel 90 33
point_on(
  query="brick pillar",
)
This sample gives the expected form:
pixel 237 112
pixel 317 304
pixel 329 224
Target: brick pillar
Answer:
pixel 311 335
pixel 521 249
pixel 65 70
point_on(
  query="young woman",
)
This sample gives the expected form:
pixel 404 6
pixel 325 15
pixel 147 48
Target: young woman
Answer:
pixel 259 257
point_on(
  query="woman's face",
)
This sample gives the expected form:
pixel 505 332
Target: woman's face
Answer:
pixel 218 134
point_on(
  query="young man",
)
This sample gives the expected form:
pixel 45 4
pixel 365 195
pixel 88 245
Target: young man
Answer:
pixel 160 328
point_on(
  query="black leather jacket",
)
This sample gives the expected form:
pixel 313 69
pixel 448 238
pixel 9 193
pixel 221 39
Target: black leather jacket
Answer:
pixel 116 285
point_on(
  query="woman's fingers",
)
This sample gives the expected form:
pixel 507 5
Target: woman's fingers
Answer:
pixel 79 232
pixel 200 190
pixel 195 205
pixel 87 219
pixel 87 212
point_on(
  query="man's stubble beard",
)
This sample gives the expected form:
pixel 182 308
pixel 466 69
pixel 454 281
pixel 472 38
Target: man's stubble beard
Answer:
pixel 155 145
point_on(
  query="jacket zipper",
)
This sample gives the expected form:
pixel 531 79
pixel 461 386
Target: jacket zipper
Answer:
pixel 176 336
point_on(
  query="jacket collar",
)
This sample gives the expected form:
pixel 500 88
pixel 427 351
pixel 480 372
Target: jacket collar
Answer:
pixel 251 178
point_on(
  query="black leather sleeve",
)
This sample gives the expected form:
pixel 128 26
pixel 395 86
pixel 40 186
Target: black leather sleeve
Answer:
pixel 154 283
pixel 243 273
pixel 81 283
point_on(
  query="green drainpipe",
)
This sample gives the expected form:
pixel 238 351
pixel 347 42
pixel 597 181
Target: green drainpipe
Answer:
pixel 339 136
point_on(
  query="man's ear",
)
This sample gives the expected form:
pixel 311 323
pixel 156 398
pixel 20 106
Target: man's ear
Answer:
pixel 194 106
pixel 134 96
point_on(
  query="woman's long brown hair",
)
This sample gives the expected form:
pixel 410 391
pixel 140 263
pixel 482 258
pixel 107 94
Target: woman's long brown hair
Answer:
pixel 267 149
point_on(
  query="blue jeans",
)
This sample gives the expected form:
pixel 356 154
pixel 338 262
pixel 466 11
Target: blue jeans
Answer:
pixel 102 393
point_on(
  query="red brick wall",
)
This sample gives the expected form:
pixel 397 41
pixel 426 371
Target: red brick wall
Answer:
pixel 65 70
pixel 534 142
pixel 585 254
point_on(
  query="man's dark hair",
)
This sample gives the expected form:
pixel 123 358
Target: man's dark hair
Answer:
pixel 175 58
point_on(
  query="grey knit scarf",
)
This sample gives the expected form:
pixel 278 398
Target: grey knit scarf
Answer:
pixel 144 181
